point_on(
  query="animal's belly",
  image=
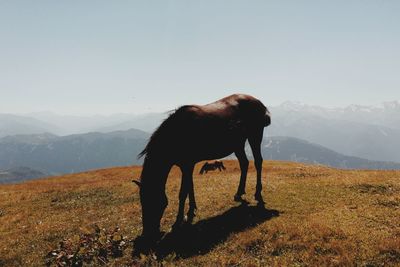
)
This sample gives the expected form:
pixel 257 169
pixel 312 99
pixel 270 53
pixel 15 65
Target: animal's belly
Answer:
pixel 214 148
pixel 214 154
pixel 204 141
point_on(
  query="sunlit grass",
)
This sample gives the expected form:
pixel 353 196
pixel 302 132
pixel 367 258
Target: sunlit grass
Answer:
pixel 324 216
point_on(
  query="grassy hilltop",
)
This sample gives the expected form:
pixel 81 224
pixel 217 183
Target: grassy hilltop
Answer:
pixel 314 216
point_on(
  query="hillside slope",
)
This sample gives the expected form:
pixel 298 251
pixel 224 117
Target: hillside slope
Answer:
pixel 314 216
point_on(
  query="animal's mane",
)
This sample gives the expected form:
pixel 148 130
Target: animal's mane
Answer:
pixel 164 127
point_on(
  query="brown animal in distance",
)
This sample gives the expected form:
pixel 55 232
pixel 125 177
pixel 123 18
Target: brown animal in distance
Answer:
pixel 212 167
pixel 194 133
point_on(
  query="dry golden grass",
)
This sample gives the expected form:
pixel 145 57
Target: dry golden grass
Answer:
pixel 315 216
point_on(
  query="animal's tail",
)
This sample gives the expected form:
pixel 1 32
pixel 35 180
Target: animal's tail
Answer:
pixel 267 118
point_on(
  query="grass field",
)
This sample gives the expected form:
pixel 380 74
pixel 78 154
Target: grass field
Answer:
pixel 313 216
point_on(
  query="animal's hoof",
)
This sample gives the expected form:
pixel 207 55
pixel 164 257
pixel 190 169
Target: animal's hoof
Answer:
pixel 190 217
pixel 146 242
pixel 259 198
pixel 177 225
pixel 238 198
pixel 241 200
pixel 261 205
pixel 142 245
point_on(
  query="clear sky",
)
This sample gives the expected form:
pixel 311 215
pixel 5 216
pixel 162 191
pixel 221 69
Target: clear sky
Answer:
pixel 88 57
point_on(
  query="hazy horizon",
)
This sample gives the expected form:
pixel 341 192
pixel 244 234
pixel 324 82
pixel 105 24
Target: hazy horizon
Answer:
pixel 146 112
pixel 100 57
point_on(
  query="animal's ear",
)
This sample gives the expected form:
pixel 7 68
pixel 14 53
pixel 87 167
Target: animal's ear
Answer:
pixel 138 183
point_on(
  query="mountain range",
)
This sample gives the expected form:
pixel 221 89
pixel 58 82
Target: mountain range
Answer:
pixel 19 174
pixel 11 124
pixel 73 153
pixel 351 137
pixel 42 155
pixel 366 132
pixel 294 149
pixel 371 132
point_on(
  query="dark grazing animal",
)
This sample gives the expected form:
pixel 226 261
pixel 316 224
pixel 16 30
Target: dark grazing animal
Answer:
pixel 212 166
pixel 194 133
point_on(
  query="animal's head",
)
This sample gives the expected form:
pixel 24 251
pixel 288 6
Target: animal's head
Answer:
pixel 153 201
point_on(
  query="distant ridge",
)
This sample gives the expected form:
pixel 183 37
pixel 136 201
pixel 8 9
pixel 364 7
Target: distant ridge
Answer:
pixel 370 132
pixel 72 153
pixel 298 150
pixel 20 174
pixel 11 124
pixel 361 131
pixel 81 152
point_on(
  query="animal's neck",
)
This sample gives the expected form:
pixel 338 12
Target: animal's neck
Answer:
pixel 155 172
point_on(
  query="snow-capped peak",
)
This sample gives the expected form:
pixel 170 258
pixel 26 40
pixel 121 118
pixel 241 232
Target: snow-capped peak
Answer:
pixel 360 108
pixel 391 104
pixel 293 105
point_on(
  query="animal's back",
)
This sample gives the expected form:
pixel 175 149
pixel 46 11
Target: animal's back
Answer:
pixel 208 131
pixel 215 130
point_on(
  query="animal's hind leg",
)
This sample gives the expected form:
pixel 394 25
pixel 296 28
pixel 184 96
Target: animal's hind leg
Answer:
pixel 244 165
pixel 255 143
pixel 192 201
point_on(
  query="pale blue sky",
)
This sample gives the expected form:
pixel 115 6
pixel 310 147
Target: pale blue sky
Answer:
pixel 87 57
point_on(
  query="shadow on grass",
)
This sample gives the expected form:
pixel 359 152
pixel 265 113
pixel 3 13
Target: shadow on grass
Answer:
pixel 201 237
